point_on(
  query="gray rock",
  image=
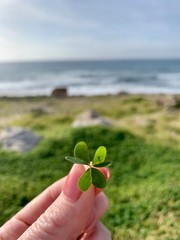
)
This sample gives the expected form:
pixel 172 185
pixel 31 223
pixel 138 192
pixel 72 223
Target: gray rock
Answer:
pixel 37 112
pixel 90 118
pixel 18 139
pixel 59 93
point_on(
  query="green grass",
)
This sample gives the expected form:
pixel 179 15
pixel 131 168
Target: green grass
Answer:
pixel 144 189
pixel 144 185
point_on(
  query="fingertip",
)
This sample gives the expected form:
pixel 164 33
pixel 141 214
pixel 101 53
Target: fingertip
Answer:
pixel 71 189
pixel 107 173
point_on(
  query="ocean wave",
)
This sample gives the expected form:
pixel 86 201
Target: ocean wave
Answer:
pixel 89 79
pixel 170 79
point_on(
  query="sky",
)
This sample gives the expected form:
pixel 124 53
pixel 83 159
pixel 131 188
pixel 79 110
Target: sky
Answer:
pixel 89 29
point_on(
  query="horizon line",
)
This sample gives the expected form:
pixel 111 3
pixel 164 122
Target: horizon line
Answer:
pixel 88 60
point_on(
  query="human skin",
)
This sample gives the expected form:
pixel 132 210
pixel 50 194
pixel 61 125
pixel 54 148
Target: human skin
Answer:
pixel 62 211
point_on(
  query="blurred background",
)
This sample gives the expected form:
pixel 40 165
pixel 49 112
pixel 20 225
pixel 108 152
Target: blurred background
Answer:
pixel 104 72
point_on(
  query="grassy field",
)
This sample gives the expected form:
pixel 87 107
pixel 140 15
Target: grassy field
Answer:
pixel 144 144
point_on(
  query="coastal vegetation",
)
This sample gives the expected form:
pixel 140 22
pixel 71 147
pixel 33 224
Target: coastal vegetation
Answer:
pixel 143 143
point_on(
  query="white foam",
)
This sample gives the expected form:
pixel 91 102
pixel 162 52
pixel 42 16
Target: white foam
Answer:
pixel 88 82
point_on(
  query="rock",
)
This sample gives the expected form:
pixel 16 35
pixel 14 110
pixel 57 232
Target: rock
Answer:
pixel 90 118
pixel 37 112
pixel 169 102
pixel 18 139
pixel 59 93
pixel 123 93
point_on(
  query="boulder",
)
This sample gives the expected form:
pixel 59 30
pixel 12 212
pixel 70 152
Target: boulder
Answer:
pixel 18 139
pixel 171 102
pixel 123 93
pixel 90 118
pixel 37 112
pixel 59 93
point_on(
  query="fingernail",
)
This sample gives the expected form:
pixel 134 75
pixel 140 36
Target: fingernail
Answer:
pixel 82 236
pixel 71 189
pixel 106 172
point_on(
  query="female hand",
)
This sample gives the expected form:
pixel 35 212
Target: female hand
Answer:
pixel 62 211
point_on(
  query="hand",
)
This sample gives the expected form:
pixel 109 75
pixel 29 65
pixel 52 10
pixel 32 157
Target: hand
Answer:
pixel 62 211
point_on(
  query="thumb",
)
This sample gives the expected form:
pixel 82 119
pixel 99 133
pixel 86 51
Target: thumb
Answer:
pixel 68 215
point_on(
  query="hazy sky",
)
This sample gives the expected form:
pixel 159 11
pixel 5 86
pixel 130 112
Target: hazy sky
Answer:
pixel 89 29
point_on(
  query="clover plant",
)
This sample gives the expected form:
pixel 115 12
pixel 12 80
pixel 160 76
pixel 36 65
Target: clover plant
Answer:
pixel 92 175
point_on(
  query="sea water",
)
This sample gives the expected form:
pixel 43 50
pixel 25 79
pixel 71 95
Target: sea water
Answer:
pixel 90 78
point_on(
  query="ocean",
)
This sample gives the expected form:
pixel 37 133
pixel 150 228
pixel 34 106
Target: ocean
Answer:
pixel 89 78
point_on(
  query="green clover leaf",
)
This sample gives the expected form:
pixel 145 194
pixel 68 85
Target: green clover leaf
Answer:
pixel 75 160
pixel 100 155
pixel 85 180
pixel 81 151
pixel 98 178
pixel 92 175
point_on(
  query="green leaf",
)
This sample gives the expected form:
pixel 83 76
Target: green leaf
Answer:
pixel 98 178
pixel 103 164
pixel 85 180
pixel 75 160
pixel 81 151
pixel 100 155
